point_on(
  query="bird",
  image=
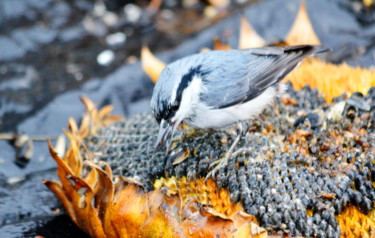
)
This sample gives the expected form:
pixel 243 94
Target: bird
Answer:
pixel 215 89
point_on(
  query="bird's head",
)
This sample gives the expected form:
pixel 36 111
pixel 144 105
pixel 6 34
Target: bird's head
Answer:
pixel 175 96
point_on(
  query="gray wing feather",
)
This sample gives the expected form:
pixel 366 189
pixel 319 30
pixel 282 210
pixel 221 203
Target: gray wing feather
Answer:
pixel 264 51
pixel 241 75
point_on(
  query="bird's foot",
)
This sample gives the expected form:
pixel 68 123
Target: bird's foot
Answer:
pixel 217 165
pixel 223 162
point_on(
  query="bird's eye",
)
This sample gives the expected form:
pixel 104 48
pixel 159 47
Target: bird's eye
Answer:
pixel 174 107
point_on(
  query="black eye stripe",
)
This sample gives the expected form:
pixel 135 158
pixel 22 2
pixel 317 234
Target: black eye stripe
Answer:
pixel 186 80
pixel 169 110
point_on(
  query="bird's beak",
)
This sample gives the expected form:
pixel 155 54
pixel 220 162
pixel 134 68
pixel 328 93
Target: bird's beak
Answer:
pixel 165 135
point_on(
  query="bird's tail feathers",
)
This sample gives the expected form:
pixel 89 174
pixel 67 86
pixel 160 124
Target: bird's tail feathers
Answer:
pixel 319 49
pixel 308 49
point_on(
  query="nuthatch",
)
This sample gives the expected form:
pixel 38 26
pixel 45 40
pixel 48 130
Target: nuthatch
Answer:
pixel 218 88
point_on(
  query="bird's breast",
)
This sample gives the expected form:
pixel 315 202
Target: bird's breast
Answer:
pixel 205 117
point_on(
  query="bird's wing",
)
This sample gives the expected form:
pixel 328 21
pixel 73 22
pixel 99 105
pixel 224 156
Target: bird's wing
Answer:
pixel 242 75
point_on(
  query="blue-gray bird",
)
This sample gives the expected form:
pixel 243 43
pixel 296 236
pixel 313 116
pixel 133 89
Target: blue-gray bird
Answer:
pixel 218 88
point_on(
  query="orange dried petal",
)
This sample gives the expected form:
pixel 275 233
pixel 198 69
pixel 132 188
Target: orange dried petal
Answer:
pixel 249 38
pixel 60 193
pixel 150 64
pixel 302 31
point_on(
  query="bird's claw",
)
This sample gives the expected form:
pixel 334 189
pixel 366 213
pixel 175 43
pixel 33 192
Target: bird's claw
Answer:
pixel 223 162
pixel 218 164
pixel 214 164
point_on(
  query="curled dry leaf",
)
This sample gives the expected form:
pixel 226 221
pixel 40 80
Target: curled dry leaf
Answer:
pixel 94 118
pixel 89 105
pixel 76 196
pixel 150 64
pixel 248 36
pixel 302 31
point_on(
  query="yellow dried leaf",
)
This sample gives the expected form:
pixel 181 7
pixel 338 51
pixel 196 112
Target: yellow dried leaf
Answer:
pixel 302 31
pixel 248 36
pixel 85 126
pixel 78 195
pixel 73 126
pixel 88 104
pixel 95 118
pixel 150 64
pixel 61 194
pixel 105 111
